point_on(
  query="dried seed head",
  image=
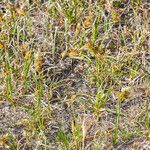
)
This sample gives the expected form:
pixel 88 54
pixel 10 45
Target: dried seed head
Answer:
pixel 99 57
pixel 27 55
pixel 124 94
pixel 23 48
pixel 87 21
pixel 91 48
pixel 73 97
pixel 20 12
pixel 38 62
pixel 78 27
pixel 115 16
pixel 64 54
pixel 11 6
pixel 1 45
pixel 73 53
pixel 1 17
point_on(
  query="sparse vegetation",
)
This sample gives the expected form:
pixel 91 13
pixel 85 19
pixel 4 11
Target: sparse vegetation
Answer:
pixel 75 75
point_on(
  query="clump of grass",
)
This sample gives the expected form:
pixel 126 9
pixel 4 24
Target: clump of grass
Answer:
pixel 62 61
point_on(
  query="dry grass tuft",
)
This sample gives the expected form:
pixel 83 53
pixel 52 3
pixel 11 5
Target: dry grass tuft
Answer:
pixel 75 75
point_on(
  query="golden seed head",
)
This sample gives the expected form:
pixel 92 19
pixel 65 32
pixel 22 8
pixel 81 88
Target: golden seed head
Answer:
pixel 64 54
pixel 91 48
pixel 38 62
pixel 124 94
pixel 73 53
pixel 27 55
pixel 87 22
pixel 20 12
pixel 78 26
pixel 1 45
pixel 99 57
